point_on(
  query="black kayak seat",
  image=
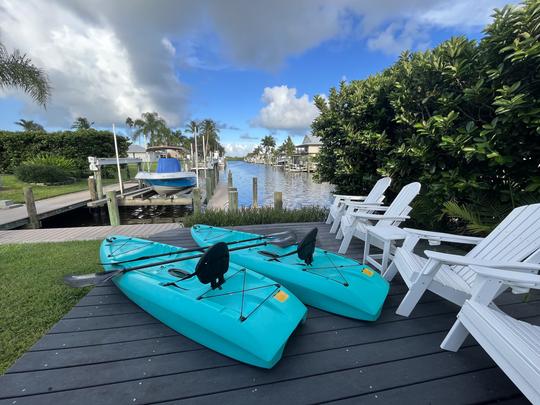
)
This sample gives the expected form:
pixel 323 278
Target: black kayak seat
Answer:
pixel 213 265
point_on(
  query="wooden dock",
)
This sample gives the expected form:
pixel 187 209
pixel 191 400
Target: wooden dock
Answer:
pixel 16 217
pixel 107 351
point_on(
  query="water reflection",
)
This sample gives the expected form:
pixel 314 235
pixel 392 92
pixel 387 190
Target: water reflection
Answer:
pixel 299 189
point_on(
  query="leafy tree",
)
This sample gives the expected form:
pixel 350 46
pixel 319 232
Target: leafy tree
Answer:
pixel 268 143
pixel 151 127
pixel 211 136
pixel 288 147
pixel 29 125
pixel 17 70
pixel 81 123
pixel 461 118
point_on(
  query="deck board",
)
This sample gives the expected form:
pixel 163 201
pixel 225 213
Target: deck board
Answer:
pixel 106 350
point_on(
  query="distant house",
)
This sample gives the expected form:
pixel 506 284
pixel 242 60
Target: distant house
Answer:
pixel 303 159
pixel 137 151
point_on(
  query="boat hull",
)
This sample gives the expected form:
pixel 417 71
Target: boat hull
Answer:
pixel 332 283
pixel 214 320
pixel 168 183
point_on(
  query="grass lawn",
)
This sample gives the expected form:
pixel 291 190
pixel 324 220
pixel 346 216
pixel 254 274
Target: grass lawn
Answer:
pixel 32 295
pixel 12 188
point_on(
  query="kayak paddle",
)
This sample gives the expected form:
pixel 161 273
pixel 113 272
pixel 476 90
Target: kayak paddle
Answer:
pixel 285 238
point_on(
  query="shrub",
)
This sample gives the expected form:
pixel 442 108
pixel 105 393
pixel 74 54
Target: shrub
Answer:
pixel 41 173
pixel 46 159
pixel 17 147
pixel 253 216
pixel 462 118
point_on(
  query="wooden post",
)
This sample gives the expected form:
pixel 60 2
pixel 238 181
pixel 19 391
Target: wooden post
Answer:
pixel 92 188
pixel 196 195
pixel 99 183
pixel 139 169
pixel 31 208
pixel 229 179
pixel 211 177
pixel 278 200
pixel 208 189
pixel 128 173
pixel 112 205
pixel 255 202
pixel 233 199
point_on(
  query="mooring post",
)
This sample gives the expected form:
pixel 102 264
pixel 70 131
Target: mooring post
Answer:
pixel 112 205
pixel 212 184
pixel 139 169
pixel 229 179
pixel 92 188
pixel 233 199
pixel 208 189
pixel 99 183
pixel 196 198
pixel 31 208
pixel 278 200
pixel 255 202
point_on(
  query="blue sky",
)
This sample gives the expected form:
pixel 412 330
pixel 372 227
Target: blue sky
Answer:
pixel 252 66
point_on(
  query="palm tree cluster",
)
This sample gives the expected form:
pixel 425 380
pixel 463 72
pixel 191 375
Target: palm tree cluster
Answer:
pixel 81 123
pixel 17 70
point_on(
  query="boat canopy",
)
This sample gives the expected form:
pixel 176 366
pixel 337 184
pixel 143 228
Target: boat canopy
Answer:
pixel 168 165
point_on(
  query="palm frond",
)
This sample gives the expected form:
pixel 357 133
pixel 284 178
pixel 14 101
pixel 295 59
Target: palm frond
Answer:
pixel 17 70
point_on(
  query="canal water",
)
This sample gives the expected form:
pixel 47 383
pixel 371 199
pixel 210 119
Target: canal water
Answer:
pixel 299 190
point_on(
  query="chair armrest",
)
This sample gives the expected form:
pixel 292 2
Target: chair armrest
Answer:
pixel 366 207
pixel 349 197
pixel 376 217
pixel 511 278
pixel 448 258
pixel 444 237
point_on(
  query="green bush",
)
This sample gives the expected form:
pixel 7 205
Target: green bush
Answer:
pixel 462 118
pixel 41 173
pixel 253 216
pixel 17 147
pixel 45 159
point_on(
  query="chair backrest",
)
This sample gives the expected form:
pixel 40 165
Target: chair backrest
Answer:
pixel 400 205
pixel 377 192
pixel 515 239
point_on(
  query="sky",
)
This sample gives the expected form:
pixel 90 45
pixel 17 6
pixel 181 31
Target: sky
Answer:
pixel 253 66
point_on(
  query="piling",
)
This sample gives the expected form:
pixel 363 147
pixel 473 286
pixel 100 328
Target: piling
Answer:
pixel 229 179
pixel 139 169
pixel 196 194
pixel 99 183
pixel 208 188
pixel 233 199
pixel 278 200
pixel 255 202
pixel 31 208
pixel 92 188
pixel 112 205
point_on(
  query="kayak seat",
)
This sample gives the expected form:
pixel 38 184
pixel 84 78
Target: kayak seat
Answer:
pixel 213 264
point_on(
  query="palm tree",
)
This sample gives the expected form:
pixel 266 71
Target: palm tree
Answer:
pixel 268 142
pixel 29 125
pixel 211 136
pixel 193 128
pixel 17 70
pixel 81 123
pixel 288 147
pixel 150 126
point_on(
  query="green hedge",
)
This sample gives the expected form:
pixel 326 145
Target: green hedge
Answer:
pixel 462 118
pixel 39 173
pixel 16 147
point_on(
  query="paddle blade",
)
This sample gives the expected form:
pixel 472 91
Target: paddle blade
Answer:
pixel 283 239
pixel 88 280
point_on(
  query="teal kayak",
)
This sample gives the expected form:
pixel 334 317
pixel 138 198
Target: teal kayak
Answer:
pixel 330 282
pixel 227 308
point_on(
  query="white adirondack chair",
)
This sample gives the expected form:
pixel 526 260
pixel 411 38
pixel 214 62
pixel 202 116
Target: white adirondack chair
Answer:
pixel 353 223
pixel 342 202
pixel 514 345
pixel 513 241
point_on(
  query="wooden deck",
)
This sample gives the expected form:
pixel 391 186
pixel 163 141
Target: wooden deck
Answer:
pixel 107 351
pixel 16 217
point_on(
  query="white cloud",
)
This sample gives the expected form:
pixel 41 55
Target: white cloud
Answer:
pixel 108 59
pixel 238 149
pixel 284 110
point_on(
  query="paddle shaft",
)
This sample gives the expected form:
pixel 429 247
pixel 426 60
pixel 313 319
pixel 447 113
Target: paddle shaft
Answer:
pixel 181 259
pixel 197 249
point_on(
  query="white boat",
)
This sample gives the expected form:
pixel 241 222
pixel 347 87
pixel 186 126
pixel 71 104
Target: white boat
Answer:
pixel 169 178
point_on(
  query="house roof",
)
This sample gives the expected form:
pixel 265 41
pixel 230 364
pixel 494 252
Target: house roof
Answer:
pixel 133 148
pixel 311 140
